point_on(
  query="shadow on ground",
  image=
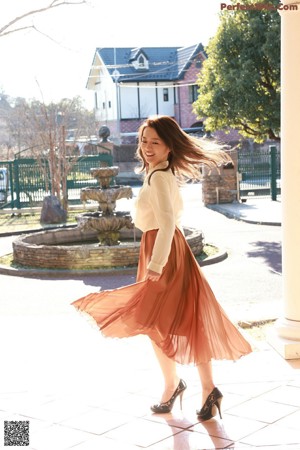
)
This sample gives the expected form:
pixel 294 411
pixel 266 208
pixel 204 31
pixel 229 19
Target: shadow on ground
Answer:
pixel 270 252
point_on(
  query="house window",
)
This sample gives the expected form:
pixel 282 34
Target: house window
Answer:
pixel 141 62
pixel 103 105
pixel 109 104
pixel 166 94
pixel 193 93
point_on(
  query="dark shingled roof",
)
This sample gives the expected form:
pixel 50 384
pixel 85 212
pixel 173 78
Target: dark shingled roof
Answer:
pixel 165 63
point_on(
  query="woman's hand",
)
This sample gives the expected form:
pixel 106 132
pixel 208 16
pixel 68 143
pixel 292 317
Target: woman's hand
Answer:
pixel 153 276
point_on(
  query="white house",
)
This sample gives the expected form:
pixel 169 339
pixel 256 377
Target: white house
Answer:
pixel 132 83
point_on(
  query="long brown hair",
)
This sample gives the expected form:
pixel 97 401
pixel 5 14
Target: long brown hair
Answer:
pixel 186 152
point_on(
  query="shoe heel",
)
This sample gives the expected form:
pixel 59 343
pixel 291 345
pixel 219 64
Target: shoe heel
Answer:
pixel 180 397
pixel 166 407
pixel 211 405
pixel 218 405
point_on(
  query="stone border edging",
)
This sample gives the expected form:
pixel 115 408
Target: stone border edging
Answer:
pixel 219 257
pixel 36 230
pixel 64 273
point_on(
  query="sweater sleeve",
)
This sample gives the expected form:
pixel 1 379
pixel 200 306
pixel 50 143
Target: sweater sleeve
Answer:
pixel 162 204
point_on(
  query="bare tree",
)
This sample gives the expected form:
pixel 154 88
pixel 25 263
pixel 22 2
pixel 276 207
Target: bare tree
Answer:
pixel 13 25
pixel 41 131
pixel 41 128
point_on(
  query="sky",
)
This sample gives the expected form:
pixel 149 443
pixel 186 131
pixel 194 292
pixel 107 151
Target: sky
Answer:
pixel 55 62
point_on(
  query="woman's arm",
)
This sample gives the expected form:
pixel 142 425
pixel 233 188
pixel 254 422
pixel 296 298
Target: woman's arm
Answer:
pixel 162 203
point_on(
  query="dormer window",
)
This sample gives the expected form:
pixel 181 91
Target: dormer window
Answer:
pixel 140 62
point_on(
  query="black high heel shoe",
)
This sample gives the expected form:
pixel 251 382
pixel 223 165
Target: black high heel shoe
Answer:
pixel 166 407
pixel 212 403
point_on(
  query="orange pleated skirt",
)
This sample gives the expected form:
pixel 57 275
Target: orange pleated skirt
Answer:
pixel 179 312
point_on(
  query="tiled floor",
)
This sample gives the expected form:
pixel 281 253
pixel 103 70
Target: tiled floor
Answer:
pixel 84 392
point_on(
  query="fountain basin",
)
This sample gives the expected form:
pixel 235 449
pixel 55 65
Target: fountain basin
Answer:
pixel 106 197
pixel 72 249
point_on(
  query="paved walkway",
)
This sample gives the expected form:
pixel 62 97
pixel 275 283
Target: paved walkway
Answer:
pixel 81 391
pixel 258 211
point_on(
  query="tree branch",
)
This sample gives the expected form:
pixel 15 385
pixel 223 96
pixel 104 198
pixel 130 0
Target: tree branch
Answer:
pixel 273 136
pixel 248 129
pixel 15 30
pixel 52 5
pixel 253 132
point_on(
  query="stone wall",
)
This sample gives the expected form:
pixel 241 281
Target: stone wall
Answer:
pixel 220 185
pixel 48 249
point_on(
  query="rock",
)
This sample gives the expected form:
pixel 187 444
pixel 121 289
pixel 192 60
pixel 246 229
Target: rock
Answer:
pixel 52 211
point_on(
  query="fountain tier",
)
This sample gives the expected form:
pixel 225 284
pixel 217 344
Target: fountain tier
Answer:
pixel 106 198
pixel 105 221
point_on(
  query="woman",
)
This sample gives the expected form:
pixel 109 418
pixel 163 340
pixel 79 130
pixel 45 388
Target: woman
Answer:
pixel 171 301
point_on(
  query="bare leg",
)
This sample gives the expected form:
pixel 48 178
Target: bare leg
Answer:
pixel 168 368
pixel 206 378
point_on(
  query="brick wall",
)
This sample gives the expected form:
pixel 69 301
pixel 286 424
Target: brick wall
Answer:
pixel 220 185
pixel 130 125
pixel 184 109
pixel 46 249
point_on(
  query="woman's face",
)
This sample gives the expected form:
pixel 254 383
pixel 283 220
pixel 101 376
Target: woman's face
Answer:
pixel 153 148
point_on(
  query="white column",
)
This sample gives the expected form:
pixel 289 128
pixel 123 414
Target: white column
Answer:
pixel 285 336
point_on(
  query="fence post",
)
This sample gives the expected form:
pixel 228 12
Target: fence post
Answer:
pixel 17 184
pixel 273 151
pixel 11 184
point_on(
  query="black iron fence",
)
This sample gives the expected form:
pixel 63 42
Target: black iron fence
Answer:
pixel 25 182
pixel 259 173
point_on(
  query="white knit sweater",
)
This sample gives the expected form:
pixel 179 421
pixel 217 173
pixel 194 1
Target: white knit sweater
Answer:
pixel 159 206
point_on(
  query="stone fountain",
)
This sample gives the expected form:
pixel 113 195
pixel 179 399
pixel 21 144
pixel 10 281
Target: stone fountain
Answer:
pixel 105 221
pixel 102 240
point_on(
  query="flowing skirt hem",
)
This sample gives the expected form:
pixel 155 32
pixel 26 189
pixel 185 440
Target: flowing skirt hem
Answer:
pixel 179 312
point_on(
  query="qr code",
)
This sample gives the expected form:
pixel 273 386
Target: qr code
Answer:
pixel 16 432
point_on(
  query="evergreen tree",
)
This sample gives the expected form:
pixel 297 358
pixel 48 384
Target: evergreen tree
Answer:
pixel 239 84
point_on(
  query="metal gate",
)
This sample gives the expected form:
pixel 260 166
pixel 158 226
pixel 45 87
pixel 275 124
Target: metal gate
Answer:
pixel 259 173
pixel 25 182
